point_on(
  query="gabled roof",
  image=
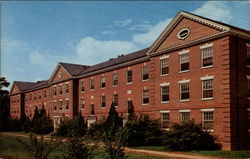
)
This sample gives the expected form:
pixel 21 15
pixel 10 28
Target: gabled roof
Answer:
pixel 39 84
pixel 116 61
pixel 206 21
pixel 22 86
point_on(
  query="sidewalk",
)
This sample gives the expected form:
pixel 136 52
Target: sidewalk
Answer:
pixel 178 155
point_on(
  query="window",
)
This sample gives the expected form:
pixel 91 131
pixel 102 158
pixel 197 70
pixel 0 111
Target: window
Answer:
pixel 248 88
pixel 82 86
pixel 207 57
pixel 115 79
pixel 115 99
pixel 145 97
pixel 103 101
pixel 103 82
pixel 40 96
pixel 129 76
pixel 185 116
pixel 34 96
pixel 54 105
pixel 67 104
pixel 26 98
pixel 30 96
pixel 164 93
pixel 165 120
pixel 60 89
pixel 92 87
pixel 208 120
pixel 184 91
pixel 207 88
pixel 184 62
pixel 60 106
pixel 145 73
pixel 45 94
pixel 54 90
pixel 66 88
pixel 92 109
pixel 164 66
pixel 248 55
pixel 82 103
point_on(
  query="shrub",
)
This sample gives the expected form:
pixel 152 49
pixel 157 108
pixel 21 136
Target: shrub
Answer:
pixel 78 127
pixel 39 148
pixel 143 132
pixel 64 128
pixel 189 136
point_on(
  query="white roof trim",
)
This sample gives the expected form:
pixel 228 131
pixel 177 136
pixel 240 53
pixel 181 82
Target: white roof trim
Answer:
pixel 183 52
pixel 164 57
pixel 207 110
pixel 185 110
pixel 55 71
pixel 207 77
pixel 184 81
pixel 165 84
pixel 164 111
pixel 207 45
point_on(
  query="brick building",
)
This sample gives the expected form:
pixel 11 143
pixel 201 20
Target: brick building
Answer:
pixel 197 69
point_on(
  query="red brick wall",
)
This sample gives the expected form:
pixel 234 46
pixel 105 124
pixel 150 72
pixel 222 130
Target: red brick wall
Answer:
pixel 15 106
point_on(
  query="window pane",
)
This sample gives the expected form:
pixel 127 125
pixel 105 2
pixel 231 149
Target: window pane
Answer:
pixel 185 116
pixel 145 96
pixel 164 93
pixel 184 91
pixel 207 57
pixel 208 120
pixel 207 88
pixel 115 79
pixel 165 120
pixel 144 72
pixel 129 76
pixel 164 66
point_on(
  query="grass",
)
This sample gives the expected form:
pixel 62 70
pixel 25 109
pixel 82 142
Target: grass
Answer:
pixel 15 150
pixel 242 154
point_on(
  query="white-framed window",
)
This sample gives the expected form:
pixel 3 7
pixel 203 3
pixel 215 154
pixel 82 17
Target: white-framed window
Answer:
pixel 207 56
pixel 103 82
pixel 66 88
pixel 60 104
pixel 67 104
pixel 129 76
pixel 145 97
pixel 92 109
pixel 82 86
pixel 115 99
pixel 40 95
pixel 184 91
pixel 165 120
pixel 34 96
pixel 45 94
pixel 248 54
pixel 184 62
pixel 185 116
pixel 103 101
pixel 145 75
pixel 60 89
pixel 92 86
pixel 248 88
pixel 54 105
pixel 164 66
pixel 115 79
pixel 55 91
pixel 207 88
pixel 165 93
pixel 208 120
pixel 82 103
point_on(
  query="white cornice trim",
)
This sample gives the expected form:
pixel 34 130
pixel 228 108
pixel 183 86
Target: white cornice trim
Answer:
pixel 207 110
pixel 183 52
pixel 184 110
pixel 164 111
pixel 165 84
pixel 207 77
pixel 184 81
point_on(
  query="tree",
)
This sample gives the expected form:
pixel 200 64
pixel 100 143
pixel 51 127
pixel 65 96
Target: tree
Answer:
pixel 41 123
pixel 4 105
pixel 114 136
pixel 78 127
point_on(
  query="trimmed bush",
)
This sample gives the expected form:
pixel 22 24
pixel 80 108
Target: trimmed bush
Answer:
pixel 189 136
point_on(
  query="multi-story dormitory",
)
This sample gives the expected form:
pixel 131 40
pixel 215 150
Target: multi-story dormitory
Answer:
pixel 197 69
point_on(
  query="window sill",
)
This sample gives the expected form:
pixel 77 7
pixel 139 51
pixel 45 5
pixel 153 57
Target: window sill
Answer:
pixel 184 71
pixel 145 104
pixel 92 90
pixel 145 80
pixel 82 91
pixel 104 107
pixel 164 75
pixel 103 87
pixel 184 100
pixel 129 83
pixel 164 102
pixel 82 108
pixel 209 130
pixel 114 85
pixel 206 67
pixel 207 98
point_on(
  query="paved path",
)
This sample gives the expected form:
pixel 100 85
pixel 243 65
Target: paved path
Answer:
pixel 177 155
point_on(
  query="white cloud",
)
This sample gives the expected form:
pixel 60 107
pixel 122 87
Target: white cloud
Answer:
pixel 216 10
pixel 108 32
pixel 91 51
pixel 141 27
pixel 122 23
pixel 148 37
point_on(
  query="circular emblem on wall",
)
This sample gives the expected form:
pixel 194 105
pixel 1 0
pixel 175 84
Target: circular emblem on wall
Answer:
pixel 183 33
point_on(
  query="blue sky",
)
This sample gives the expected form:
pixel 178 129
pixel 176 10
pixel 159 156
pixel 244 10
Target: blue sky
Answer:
pixel 36 35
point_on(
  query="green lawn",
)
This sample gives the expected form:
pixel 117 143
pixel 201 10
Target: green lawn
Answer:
pixel 243 154
pixel 15 150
